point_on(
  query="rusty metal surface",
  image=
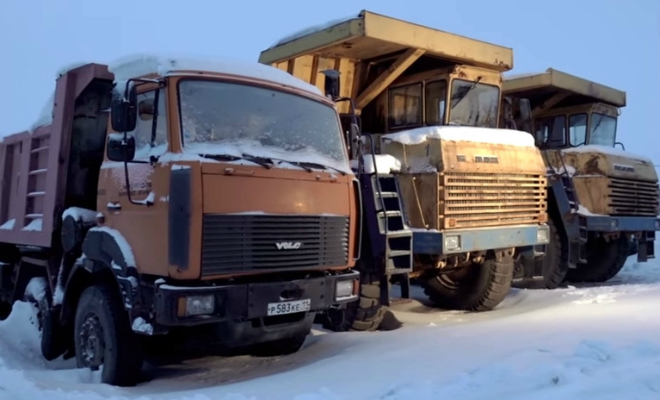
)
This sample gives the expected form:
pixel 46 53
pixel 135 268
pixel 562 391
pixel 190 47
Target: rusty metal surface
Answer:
pixel 372 35
pixel 36 184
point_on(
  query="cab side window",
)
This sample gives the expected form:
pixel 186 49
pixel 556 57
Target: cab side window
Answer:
pixel 146 145
pixel 552 131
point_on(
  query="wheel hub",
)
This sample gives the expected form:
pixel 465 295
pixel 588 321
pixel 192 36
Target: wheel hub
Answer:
pixel 92 345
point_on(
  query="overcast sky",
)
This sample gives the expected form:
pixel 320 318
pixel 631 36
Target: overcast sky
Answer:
pixel 616 43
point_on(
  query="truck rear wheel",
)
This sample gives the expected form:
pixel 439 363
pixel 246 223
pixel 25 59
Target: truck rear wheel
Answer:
pixel 478 287
pixel 103 337
pixel 604 261
pixel 365 314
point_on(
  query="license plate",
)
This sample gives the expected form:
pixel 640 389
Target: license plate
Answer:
pixel 289 307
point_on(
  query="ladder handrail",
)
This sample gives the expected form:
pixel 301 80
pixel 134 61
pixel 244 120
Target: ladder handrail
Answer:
pixel 379 189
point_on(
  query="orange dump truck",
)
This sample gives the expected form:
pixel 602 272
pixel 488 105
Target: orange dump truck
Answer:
pixel 240 210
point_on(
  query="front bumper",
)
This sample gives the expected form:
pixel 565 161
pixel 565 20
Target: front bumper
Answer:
pixel 478 239
pixel 605 223
pixel 241 302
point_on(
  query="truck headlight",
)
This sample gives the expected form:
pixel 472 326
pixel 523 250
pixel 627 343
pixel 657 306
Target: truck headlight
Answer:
pixel 452 242
pixel 196 305
pixel 344 290
pixel 543 235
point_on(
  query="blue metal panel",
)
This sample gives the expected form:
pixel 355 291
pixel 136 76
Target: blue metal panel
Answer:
pixel 622 224
pixel 432 242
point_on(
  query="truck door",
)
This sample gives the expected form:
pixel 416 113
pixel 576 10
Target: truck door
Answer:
pixel 142 219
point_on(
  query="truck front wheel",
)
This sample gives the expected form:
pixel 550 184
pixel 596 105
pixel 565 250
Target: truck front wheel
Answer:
pixel 103 337
pixel 604 261
pixel 365 314
pixel 478 287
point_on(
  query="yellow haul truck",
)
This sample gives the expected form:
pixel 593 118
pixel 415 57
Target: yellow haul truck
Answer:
pixel 602 200
pixel 432 162
pixel 164 195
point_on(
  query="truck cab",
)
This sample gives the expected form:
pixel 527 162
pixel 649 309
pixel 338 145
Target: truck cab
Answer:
pixel 167 194
pixel 603 199
pixel 431 161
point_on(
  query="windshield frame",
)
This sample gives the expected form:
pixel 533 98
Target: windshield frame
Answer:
pixel 592 119
pixel 344 163
pixel 451 102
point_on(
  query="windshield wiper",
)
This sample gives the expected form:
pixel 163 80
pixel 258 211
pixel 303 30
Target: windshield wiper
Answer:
pixel 263 161
pixel 462 95
pixel 220 157
pixel 316 165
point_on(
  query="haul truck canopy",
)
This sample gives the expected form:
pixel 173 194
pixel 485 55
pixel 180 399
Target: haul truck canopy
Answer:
pixel 355 45
pixel 556 89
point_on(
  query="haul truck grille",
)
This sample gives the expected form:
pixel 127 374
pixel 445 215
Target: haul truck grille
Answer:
pixel 486 199
pixel 232 243
pixel 630 197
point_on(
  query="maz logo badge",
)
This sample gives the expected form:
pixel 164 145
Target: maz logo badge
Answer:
pixel 288 245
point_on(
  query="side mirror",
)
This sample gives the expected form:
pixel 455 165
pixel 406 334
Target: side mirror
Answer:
pixel 123 109
pixel 120 150
pixel 331 83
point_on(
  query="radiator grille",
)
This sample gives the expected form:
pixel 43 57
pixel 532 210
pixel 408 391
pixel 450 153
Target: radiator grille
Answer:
pixel 486 199
pixel 232 243
pixel 631 197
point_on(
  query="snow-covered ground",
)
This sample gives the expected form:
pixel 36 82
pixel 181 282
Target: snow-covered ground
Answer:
pixel 574 343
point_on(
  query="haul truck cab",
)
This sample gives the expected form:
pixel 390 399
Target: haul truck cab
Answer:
pixel 600 197
pixel 473 196
pixel 212 194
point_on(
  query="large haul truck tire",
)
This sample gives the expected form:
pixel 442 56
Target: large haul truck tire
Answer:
pixel 604 261
pixel 103 337
pixel 479 287
pixel 365 314
pixel 554 264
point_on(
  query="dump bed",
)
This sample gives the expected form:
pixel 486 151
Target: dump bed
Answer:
pixel 344 44
pixel 541 87
pixel 34 165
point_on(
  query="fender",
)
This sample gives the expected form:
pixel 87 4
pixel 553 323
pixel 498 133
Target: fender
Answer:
pixel 105 253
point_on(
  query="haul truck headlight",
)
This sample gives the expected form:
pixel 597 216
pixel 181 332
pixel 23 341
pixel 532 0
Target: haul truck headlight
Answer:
pixel 452 242
pixel 196 305
pixel 345 290
pixel 543 235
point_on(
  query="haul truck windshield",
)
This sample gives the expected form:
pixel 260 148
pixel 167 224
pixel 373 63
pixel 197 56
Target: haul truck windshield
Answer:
pixel 236 120
pixel 473 104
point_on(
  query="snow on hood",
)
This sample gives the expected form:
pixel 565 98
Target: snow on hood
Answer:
pixel 462 133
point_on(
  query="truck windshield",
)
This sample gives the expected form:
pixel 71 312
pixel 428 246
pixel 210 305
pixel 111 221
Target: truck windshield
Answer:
pixel 474 104
pixel 603 130
pixel 233 119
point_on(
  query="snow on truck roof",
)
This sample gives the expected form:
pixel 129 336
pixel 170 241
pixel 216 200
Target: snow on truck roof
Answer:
pixel 369 35
pixel 134 66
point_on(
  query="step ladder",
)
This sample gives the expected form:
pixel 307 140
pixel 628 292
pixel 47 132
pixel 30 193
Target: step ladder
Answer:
pixel 394 232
